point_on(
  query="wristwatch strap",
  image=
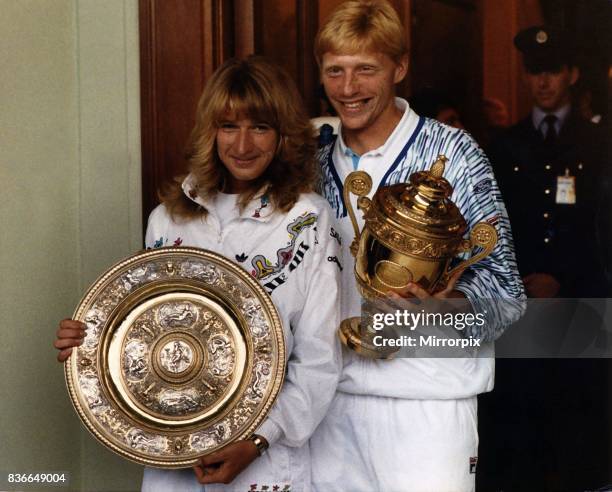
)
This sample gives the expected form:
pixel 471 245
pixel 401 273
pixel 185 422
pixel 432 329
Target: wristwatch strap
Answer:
pixel 260 443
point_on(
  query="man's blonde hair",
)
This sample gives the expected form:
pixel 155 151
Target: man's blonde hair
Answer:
pixel 362 25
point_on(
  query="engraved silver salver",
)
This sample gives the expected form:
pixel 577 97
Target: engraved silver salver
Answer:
pixel 184 353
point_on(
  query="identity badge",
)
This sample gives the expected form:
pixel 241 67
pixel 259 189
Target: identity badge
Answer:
pixel 566 189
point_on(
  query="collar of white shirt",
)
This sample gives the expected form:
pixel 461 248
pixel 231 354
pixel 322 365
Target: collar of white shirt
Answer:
pixel 259 208
pixel 538 115
pixel 398 132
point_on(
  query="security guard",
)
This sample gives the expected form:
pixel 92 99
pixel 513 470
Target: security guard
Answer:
pixel 550 414
pixel 548 167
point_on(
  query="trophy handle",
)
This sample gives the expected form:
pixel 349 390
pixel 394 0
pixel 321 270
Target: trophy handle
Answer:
pixel 483 235
pixel 358 183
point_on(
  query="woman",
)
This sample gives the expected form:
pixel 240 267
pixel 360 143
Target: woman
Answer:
pixel 249 197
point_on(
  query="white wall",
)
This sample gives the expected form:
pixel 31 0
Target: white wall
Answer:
pixel 70 207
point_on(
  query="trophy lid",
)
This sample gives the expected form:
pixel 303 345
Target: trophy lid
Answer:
pixel 423 204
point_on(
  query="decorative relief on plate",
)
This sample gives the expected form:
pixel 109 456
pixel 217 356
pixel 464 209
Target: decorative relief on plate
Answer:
pixel 203 440
pixel 176 356
pixel 262 376
pixel 204 271
pixel 135 363
pixel 177 315
pixel 177 333
pixel 94 319
pixel 173 402
pixel 252 309
pixel 146 443
pixel 90 385
pixel 184 353
pixel 221 355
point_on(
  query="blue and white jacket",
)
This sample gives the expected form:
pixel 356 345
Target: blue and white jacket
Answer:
pixel 493 285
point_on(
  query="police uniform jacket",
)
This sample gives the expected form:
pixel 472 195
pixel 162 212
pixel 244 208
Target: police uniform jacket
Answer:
pixel 552 237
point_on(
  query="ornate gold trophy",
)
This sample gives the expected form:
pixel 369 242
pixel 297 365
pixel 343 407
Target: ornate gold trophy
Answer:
pixel 412 232
pixel 184 354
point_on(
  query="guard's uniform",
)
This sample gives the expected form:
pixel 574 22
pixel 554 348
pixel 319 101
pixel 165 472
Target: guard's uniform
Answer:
pixel 555 428
pixel 411 424
pixel 554 232
pixel 552 409
pixel 293 255
pixel 547 404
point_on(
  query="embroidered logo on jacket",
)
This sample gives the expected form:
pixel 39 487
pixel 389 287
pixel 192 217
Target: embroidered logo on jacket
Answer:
pixel 483 186
pixel 267 488
pixel 264 203
pixel 263 267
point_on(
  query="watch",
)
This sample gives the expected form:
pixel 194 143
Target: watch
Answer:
pixel 260 443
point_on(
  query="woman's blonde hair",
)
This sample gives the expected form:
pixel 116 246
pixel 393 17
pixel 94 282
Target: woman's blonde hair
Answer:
pixel 362 25
pixel 257 89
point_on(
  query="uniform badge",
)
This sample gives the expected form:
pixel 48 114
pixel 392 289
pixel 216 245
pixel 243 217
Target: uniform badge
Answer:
pixel 566 189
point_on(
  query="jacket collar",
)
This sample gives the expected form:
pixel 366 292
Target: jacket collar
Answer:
pixel 259 208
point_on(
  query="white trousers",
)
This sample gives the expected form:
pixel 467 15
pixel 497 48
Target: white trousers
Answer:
pixel 371 443
pixel 280 468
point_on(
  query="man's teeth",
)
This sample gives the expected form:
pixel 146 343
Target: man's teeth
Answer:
pixel 353 105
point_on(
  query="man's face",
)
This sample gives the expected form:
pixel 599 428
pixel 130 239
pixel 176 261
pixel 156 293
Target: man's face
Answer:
pixel 551 90
pixel 361 87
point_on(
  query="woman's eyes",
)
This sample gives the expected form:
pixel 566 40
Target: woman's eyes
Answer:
pixel 257 128
pixel 261 128
pixel 228 127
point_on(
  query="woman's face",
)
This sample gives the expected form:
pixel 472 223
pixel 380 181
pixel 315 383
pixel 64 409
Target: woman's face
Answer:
pixel 246 148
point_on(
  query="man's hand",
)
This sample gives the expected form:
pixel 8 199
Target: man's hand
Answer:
pixel 541 285
pixel 69 334
pixel 415 290
pixel 224 465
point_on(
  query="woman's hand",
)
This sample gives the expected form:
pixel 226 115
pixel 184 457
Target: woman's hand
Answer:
pixel 224 465
pixel 69 334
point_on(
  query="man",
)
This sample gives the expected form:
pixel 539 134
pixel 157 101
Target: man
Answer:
pixel 548 167
pixel 404 424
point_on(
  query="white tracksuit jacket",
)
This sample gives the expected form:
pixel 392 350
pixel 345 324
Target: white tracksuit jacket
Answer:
pixel 410 424
pixel 293 255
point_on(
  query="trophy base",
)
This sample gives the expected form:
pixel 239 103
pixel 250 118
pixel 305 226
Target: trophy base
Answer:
pixel 362 342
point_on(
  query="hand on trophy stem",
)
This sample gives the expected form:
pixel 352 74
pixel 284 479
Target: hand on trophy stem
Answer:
pixel 415 290
pixel 225 465
pixel 69 334
pixel 438 301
